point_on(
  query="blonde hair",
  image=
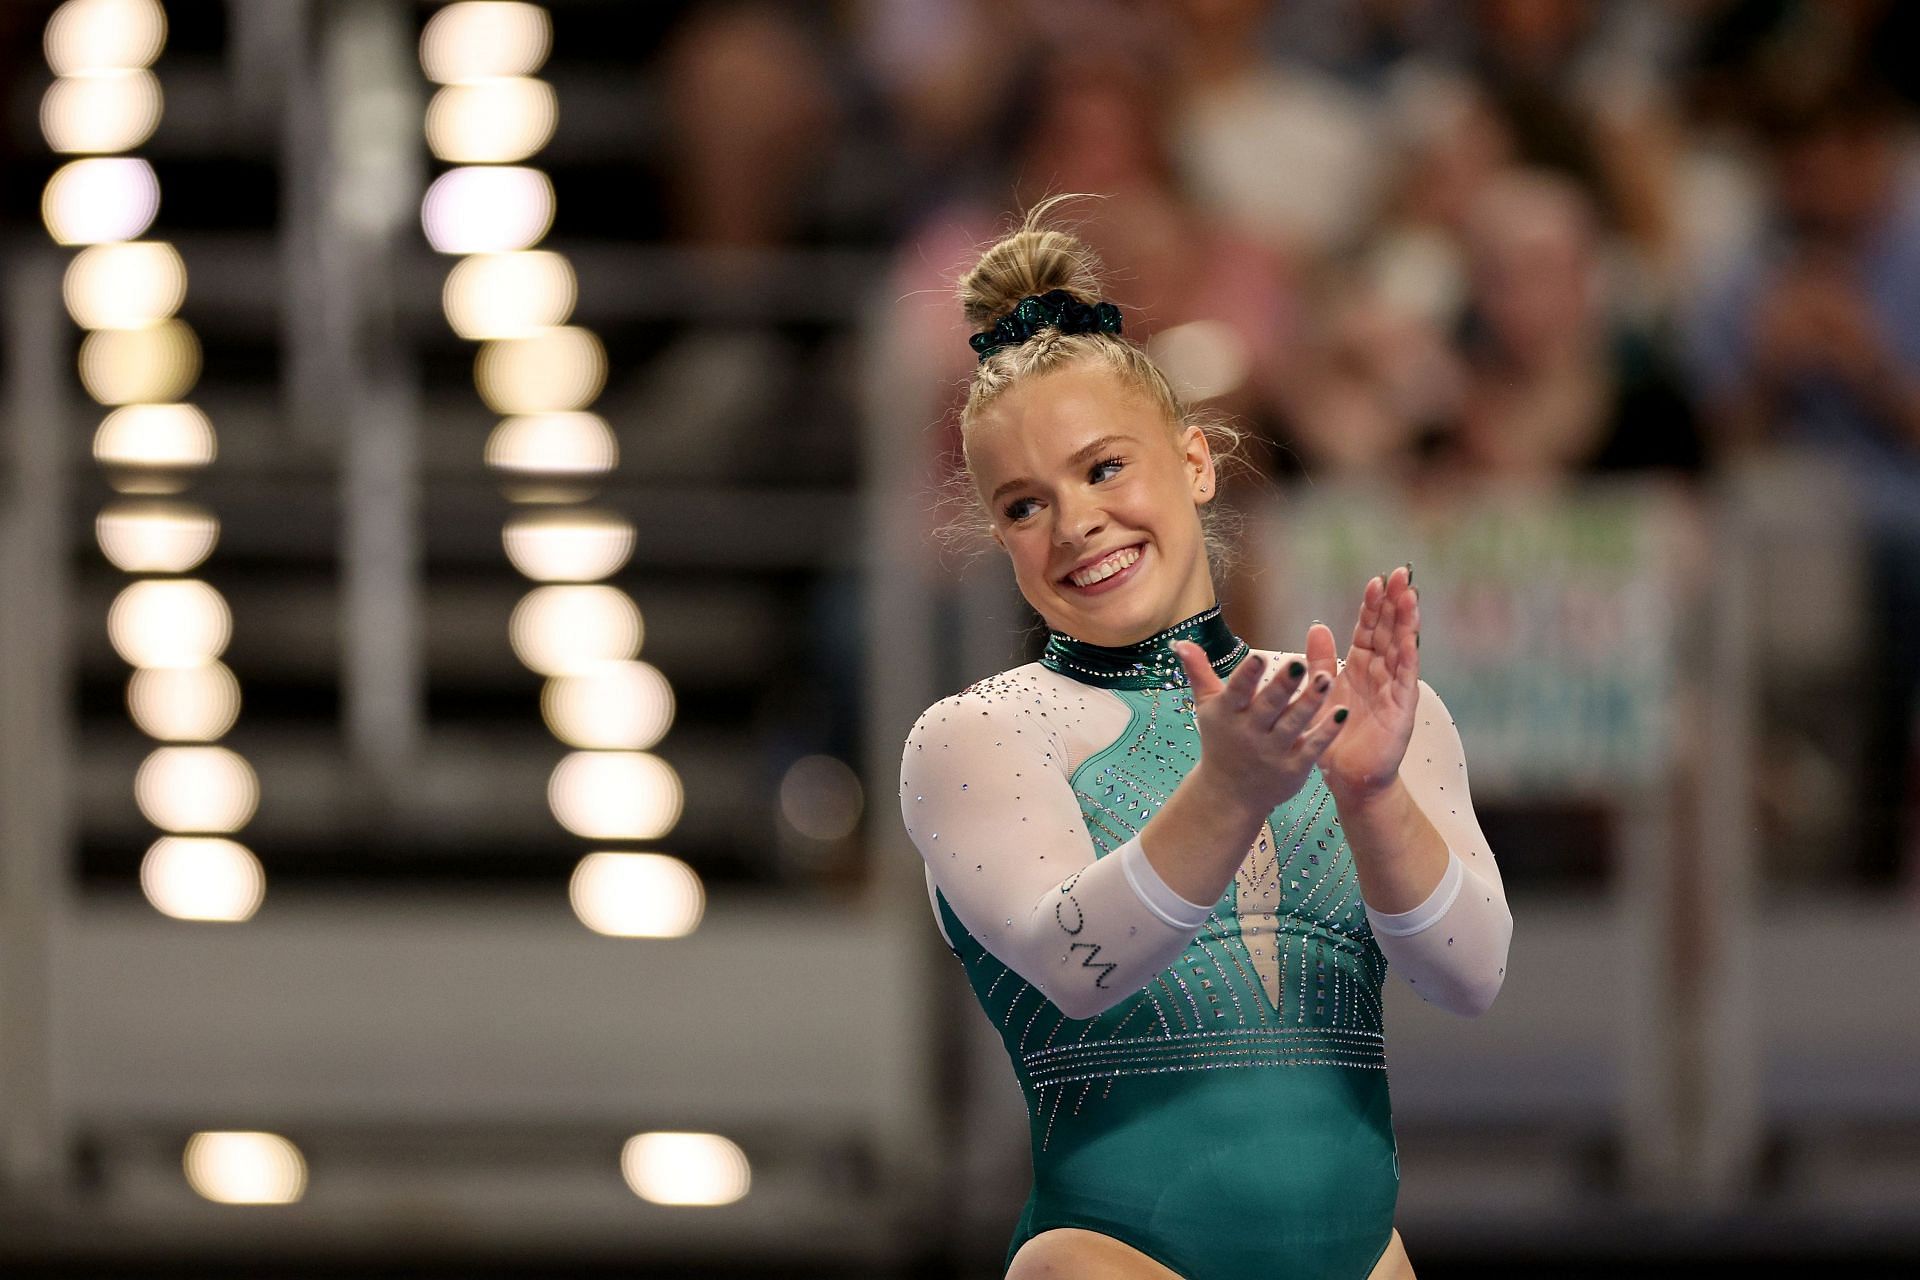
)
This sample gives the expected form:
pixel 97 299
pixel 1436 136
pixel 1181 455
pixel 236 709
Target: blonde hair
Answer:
pixel 1037 258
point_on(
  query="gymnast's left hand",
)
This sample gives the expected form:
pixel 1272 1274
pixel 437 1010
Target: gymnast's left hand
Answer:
pixel 1380 684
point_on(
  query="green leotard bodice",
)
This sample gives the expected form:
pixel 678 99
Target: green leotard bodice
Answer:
pixel 1231 1119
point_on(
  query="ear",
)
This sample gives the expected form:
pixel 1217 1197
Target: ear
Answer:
pixel 1198 457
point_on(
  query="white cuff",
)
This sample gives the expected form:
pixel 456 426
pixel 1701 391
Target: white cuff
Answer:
pixel 1153 891
pixel 1402 923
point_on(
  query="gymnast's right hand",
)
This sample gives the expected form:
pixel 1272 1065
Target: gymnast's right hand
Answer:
pixel 1258 742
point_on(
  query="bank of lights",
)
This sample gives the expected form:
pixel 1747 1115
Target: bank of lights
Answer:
pixel 140 361
pixel 541 374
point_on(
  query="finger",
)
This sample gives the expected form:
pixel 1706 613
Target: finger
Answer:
pixel 1200 673
pixel 1245 680
pixel 1315 741
pixel 1321 655
pixel 1384 619
pixel 1369 612
pixel 1406 627
pixel 1306 704
pixel 1271 703
pixel 1386 642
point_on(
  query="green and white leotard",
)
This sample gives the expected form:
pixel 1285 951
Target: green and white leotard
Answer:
pixel 1205 1082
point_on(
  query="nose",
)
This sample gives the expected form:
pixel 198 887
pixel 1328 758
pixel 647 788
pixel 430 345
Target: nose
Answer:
pixel 1079 520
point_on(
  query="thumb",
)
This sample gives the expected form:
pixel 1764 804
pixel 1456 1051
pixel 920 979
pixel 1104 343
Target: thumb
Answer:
pixel 1321 655
pixel 1200 673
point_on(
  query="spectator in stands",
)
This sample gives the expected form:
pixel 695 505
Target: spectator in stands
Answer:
pixel 1813 338
pixel 1555 383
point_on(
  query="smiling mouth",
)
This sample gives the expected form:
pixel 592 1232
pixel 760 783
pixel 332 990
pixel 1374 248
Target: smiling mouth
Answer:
pixel 1105 567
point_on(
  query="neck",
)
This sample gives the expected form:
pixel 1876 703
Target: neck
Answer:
pixel 1146 664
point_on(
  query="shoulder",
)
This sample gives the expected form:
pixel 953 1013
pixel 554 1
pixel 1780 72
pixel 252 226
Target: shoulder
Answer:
pixel 1019 694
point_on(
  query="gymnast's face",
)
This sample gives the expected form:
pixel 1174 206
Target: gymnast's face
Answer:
pixel 1096 499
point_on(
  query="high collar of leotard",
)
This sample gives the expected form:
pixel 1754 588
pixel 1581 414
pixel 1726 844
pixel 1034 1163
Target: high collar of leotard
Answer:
pixel 1149 663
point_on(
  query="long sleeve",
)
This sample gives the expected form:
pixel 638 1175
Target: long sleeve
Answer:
pixel 986 797
pixel 1453 946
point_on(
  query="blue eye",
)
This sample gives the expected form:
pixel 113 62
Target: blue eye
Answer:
pixel 1014 511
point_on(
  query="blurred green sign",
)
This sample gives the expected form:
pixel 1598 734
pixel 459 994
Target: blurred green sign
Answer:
pixel 1547 618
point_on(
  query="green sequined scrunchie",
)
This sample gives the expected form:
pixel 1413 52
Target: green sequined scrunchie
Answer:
pixel 1055 309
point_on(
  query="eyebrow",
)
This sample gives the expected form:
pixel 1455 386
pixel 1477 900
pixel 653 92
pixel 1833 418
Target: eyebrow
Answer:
pixel 1080 455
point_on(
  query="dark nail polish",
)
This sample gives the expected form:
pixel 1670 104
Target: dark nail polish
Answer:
pixel 1409 573
pixel 1298 669
pixel 1340 716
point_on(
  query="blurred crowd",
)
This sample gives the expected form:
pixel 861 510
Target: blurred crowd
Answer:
pixel 1529 237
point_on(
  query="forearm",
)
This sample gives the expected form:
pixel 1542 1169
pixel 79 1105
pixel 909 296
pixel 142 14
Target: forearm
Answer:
pixel 1444 926
pixel 1398 854
pixel 1200 837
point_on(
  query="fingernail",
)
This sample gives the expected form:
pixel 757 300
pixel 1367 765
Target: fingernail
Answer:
pixel 1324 683
pixel 1298 669
pixel 1409 573
pixel 1340 716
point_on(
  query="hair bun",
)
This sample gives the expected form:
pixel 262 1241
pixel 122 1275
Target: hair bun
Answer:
pixel 1035 260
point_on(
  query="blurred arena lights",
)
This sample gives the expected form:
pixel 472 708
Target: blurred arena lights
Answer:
pixel 139 355
pixel 245 1167
pixel 610 706
pixel 637 895
pixel 491 121
pixel 509 295
pixel 104 35
pixel 615 795
pixel 169 622
pixel 184 704
pixel 155 364
pixel 558 446
pixel 542 375
pixel 96 111
pixel 486 210
pixel 203 878
pixel 1203 358
pixel 821 798
pixel 685 1168
pixel 196 790
pixel 570 544
pixel 554 371
pixel 125 286
pixel 565 630
pixel 155 535
pixel 485 40
pixel 100 200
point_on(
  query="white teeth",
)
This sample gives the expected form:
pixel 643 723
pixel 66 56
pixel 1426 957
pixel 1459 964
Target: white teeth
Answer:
pixel 1106 568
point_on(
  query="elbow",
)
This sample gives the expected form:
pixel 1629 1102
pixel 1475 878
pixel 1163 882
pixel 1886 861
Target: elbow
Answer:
pixel 1474 999
pixel 1475 995
pixel 1084 1004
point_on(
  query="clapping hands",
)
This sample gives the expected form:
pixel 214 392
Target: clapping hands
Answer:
pixel 1380 683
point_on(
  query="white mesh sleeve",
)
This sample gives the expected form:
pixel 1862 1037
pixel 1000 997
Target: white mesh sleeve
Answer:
pixel 1453 946
pixel 985 794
